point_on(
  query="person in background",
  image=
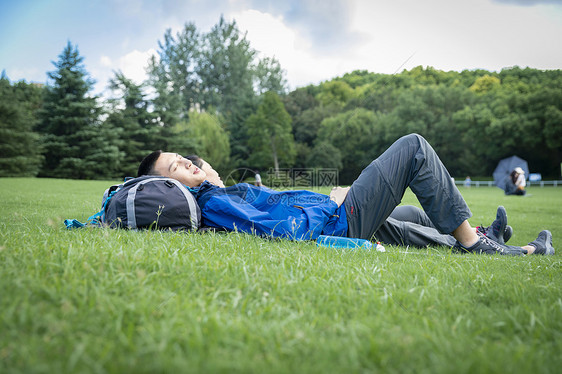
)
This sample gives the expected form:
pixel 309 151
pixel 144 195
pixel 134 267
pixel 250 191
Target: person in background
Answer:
pixel 516 183
pixel 467 182
pixel 258 179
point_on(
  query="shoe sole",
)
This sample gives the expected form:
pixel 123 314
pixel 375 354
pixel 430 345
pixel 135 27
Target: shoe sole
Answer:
pixel 501 215
pixel 508 233
pixel 548 244
pixel 545 243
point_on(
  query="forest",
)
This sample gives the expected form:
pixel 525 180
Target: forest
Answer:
pixel 211 94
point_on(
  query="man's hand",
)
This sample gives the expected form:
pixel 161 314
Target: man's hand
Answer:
pixel 338 194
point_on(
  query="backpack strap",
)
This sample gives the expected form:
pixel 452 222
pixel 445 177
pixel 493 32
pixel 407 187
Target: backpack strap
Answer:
pixel 73 224
pixel 95 220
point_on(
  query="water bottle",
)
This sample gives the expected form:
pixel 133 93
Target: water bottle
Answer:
pixel 343 242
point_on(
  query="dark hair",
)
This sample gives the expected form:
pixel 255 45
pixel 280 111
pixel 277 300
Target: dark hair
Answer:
pixel 146 166
pixel 197 161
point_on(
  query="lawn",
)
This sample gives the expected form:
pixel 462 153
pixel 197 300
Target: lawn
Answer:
pixel 100 300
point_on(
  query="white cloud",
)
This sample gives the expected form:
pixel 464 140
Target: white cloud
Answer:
pixel 29 74
pixel 134 64
pixel 105 61
pixel 273 38
pixel 448 35
pixel 317 40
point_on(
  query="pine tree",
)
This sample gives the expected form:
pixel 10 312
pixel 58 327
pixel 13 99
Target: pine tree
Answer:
pixel 19 145
pixel 75 144
pixel 137 126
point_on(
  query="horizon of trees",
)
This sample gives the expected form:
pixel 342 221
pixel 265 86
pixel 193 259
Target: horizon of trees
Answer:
pixel 211 94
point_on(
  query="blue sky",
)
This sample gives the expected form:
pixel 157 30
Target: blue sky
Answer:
pixel 315 40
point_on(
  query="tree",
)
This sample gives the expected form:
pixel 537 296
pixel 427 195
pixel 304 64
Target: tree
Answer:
pixel 356 135
pixel 76 144
pixel 317 158
pixel 204 135
pixel 19 146
pixel 226 68
pixel 301 99
pixel 429 110
pixel 270 137
pixel 211 72
pixel 138 129
pixel 358 78
pixel 227 77
pixel 553 127
pixel 97 154
pixel 485 84
pixel 167 103
pixel 307 124
pixel 336 93
pixel 553 134
pixel 382 94
pixel 270 76
pixel 176 72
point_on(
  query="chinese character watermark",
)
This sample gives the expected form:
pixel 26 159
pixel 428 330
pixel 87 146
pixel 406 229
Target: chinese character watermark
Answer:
pixel 301 178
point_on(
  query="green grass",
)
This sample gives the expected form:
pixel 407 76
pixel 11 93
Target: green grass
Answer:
pixel 98 300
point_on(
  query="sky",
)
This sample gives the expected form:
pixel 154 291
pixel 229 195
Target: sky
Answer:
pixel 314 40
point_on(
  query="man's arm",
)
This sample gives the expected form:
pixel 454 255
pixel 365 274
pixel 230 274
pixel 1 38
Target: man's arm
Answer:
pixel 297 223
pixel 338 194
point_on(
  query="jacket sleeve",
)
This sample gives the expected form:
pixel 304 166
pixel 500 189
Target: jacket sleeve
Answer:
pixel 297 223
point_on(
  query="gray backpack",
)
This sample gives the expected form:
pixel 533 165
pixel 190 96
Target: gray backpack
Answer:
pixel 150 202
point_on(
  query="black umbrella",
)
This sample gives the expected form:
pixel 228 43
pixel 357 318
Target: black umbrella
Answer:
pixel 505 167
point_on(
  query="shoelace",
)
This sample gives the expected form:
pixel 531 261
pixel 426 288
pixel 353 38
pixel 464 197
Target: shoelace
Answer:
pixel 484 239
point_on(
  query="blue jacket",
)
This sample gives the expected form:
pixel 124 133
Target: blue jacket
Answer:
pixel 296 215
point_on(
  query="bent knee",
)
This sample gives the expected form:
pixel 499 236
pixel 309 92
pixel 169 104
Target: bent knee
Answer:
pixel 414 137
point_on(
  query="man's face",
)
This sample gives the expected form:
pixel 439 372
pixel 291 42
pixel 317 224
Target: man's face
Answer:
pixel 172 165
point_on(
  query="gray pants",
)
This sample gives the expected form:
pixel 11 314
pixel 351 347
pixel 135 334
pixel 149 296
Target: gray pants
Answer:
pixel 409 162
pixel 511 188
pixel 409 225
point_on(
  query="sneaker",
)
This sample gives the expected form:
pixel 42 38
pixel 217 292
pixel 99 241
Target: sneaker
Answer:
pixel 543 243
pixel 496 231
pixel 485 245
pixel 507 233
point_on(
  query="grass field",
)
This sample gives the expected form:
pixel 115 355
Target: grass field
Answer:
pixel 98 300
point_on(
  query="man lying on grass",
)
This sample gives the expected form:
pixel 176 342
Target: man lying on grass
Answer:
pixel 397 229
pixel 359 211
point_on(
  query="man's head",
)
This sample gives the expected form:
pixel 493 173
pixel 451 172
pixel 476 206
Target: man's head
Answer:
pixel 212 175
pixel 146 166
pixel 172 165
pixel 198 161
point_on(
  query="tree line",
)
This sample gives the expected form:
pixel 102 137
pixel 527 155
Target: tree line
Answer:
pixel 211 94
